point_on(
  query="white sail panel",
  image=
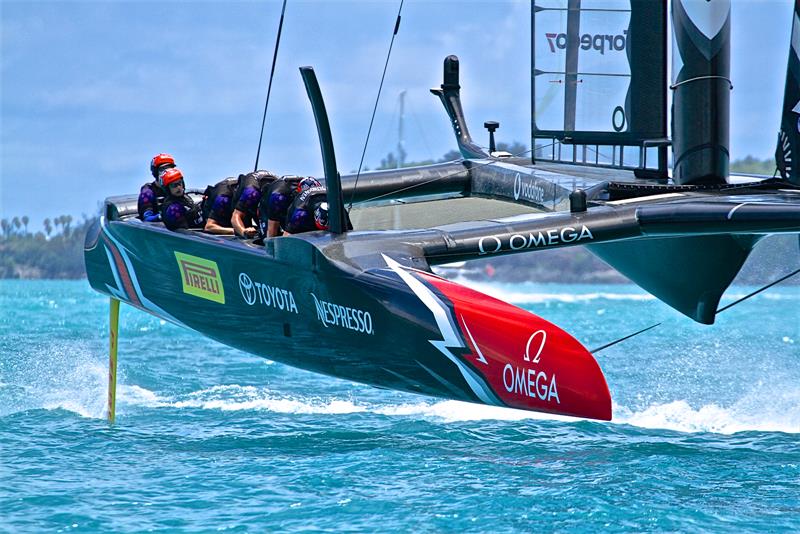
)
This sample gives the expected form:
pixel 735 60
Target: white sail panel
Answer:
pixel 582 73
pixel 599 70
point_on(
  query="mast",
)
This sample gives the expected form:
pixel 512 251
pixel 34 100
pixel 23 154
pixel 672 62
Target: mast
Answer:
pixel 702 86
pixel 571 72
pixel 401 149
pixel 787 153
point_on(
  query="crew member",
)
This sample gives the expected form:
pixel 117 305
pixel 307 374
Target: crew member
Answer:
pixel 179 210
pixel 218 206
pixel 309 211
pixel 275 202
pixel 151 195
pixel 248 194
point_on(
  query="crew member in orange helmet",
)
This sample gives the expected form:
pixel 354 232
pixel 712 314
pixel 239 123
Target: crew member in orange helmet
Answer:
pixel 179 210
pixel 151 195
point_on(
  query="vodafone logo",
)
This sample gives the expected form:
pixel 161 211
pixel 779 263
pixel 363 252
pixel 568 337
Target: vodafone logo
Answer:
pixel 527 190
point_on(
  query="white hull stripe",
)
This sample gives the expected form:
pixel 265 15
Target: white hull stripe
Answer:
pixel 447 329
pixel 147 303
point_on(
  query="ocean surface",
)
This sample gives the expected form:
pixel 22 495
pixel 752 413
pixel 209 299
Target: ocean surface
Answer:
pixel 704 438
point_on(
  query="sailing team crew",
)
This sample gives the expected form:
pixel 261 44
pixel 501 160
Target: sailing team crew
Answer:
pixel 151 195
pixel 309 211
pixel 179 210
pixel 252 187
pixel 276 203
pixel 218 206
pixel 256 204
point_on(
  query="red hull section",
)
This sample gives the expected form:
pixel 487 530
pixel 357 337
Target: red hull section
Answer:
pixel 528 362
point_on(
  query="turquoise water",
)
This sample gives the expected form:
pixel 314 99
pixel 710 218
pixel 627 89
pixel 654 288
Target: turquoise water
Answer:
pixel 704 437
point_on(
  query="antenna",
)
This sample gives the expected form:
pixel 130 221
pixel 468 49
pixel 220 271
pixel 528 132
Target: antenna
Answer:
pixel 491 126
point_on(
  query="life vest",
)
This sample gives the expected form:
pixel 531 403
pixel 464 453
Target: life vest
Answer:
pixel 182 212
pixel 151 197
pixel 300 217
pixel 276 200
pixel 250 188
pixel 225 188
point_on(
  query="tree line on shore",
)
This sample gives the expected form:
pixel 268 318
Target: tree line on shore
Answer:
pixel 54 253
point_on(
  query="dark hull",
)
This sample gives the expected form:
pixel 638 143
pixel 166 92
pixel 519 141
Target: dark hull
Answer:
pixel 390 326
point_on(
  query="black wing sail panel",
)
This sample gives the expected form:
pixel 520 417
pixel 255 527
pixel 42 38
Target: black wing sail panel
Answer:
pixel 599 70
pixel 788 149
pixel 701 91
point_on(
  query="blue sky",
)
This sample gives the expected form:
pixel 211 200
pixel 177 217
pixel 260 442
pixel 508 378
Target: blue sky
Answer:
pixel 92 90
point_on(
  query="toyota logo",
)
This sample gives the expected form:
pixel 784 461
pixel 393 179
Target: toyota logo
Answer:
pixel 517 186
pixel 247 289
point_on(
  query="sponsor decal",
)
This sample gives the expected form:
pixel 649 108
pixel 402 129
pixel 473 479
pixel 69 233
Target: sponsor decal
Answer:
pixel 546 238
pixel 330 314
pixel 527 190
pixel 783 155
pixel 266 295
pixel 796 109
pixel 528 381
pixel 599 42
pixel 200 277
pixel 309 192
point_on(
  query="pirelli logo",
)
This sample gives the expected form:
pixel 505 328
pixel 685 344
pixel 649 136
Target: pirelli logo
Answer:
pixel 200 277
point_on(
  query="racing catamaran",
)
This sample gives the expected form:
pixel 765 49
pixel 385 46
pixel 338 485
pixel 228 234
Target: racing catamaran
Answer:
pixel 367 300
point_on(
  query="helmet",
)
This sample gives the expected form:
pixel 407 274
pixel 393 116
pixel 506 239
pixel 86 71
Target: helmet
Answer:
pixel 307 183
pixel 158 161
pixel 321 216
pixel 170 176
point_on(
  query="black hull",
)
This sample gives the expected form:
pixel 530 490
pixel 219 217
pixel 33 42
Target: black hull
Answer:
pixel 391 327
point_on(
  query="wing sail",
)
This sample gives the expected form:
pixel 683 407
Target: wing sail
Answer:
pixel 599 70
pixel 788 150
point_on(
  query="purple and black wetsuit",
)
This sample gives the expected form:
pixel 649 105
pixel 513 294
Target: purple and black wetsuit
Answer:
pixel 182 212
pixel 301 213
pixel 248 194
pixel 275 202
pixel 150 199
pixel 218 203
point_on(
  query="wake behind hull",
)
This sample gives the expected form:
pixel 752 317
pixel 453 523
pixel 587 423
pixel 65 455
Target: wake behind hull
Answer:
pixel 389 326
